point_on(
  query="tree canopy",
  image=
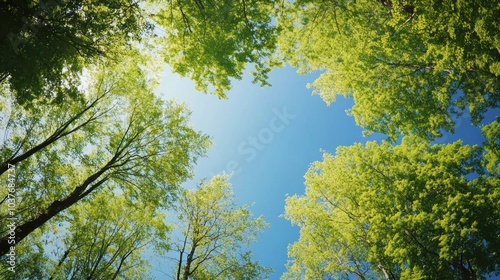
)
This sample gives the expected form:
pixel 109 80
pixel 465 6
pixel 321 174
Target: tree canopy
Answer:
pixel 103 237
pixel 121 136
pixel 44 45
pixel 411 67
pixel 213 41
pixel 411 211
pixel 215 233
pixel 97 158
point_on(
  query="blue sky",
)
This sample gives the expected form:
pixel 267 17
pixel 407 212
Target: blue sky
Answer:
pixel 269 136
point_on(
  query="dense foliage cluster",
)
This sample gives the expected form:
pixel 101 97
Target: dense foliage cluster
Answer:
pixel 410 211
pixel 410 67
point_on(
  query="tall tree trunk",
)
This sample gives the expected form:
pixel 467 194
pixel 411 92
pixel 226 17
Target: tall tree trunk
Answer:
pixel 55 208
pixel 189 261
pixel 179 267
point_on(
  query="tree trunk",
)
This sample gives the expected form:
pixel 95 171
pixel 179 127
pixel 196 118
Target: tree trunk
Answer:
pixel 55 208
pixel 189 261
pixel 60 132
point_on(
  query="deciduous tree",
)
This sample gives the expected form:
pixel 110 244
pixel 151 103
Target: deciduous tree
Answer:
pixel 214 233
pixel 45 44
pixel 102 237
pixel 411 67
pixel 410 211
pixel 121 137
pixel 213 41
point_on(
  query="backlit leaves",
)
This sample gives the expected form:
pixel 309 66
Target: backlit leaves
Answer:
pixel 410 67
pixel 412 210
pixel 213 41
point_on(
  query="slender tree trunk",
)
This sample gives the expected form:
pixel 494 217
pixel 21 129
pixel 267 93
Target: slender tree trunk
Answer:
pixel 181 254
pixel 60 132
pixel 179 266
pixel 55 208
pixel 189 261
pixel 23 230
pixel 122 261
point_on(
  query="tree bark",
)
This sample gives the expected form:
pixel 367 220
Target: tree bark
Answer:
pixel 55 208
pixel 189 261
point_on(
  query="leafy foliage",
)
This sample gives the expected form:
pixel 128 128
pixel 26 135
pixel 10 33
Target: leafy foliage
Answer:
pixel 492 146
pixel 44 45
pixel 98 155
pixel 410 66
pixel 411 211
pixel 213 41
pixel 121 137
pixel 104 238
pixel 214 233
